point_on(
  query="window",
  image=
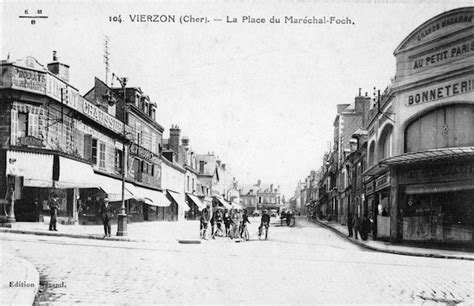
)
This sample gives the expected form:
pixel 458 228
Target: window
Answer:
pixel 118 160
pixel 94 151
pixel 152 170
pixel 193 184
pixel 102 155
pixel 201 166
pixel 22 124
pixel 143 166
pixel 153 143
pixel 138 130
pixel 187 183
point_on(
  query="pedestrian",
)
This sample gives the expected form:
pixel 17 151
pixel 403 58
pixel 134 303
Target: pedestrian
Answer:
pixel 356 225
pixel 227 222
pixel 288 218
pixel 213 223
pixel 349 224
pixel 53 212
pixel 219 219
pixel 364 228
pixel 106 214
pixel 204 221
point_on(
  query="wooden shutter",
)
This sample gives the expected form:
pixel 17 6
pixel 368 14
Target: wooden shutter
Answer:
pixel 14 127
pixel 32 125
pixel 88 147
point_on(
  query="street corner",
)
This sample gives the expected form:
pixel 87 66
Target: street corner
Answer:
pixel 20 280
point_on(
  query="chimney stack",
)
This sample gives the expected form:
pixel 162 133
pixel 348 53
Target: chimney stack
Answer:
pixel 174 138
pixel 59 69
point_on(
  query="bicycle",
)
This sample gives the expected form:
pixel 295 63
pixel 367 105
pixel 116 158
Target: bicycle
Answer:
pixel 264 226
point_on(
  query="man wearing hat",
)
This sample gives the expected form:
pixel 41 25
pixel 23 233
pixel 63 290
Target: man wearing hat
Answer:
pixel 53 211
pixel 106 214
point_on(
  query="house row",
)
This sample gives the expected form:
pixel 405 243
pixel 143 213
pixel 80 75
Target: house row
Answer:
pixel 106 143
pixel 404 159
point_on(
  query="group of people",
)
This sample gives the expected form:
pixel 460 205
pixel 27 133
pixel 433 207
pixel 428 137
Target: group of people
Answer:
pixel 230 223
pixel 288 216
pixel 357 225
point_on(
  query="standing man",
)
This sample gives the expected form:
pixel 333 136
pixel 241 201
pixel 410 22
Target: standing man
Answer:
pixel 349 224
pixel 356 225
pixel 53 211
pixel 106 214
pixel 205 217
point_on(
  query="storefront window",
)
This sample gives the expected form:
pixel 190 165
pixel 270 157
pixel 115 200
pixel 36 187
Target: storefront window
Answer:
pixel 102 155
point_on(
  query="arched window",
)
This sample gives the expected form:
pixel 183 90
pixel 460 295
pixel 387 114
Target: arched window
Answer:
pixel 385 143
pixel 443 127
pixel 371 154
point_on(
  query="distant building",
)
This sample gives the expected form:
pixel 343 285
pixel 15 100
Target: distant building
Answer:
pixel 260 196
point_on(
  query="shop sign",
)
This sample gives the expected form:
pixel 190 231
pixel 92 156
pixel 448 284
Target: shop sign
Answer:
pixel 142 153
pixel 101 116
pixel 460 20
pixel 434 93
pixel 439 173
pixel 30 141
pixel 443 55
pixel 382 182
pixel 29 80
pixel 62 92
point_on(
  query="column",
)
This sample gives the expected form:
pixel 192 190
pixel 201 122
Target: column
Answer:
pixel 394 182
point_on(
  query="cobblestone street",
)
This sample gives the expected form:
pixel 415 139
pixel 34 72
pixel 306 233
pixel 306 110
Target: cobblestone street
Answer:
pixel 303 264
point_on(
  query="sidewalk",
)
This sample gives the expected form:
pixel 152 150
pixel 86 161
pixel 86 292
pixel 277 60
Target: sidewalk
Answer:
pixel 382 246
pixel 20 280
pixel 151 231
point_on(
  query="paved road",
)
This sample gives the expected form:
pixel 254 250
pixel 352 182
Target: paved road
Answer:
pixel 303 264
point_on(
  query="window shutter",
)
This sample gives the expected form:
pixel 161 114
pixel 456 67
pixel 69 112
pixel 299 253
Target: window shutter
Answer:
pixel 32 125
pixel 14 126
pixel 88 147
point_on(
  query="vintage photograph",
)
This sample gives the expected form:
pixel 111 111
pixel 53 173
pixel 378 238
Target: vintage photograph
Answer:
pixel 237 152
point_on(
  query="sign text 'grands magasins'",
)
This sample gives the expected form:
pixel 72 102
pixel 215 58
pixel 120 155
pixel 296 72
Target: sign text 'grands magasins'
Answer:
pixel 434 93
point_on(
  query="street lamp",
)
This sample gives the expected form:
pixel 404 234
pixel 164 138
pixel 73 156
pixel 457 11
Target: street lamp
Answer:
pixel 122 216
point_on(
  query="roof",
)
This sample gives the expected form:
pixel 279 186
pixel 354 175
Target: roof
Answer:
pixel 430 156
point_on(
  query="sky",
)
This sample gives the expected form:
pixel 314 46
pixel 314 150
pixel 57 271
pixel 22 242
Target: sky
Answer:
pixel 261 96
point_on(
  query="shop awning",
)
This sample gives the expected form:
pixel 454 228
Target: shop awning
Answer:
pixel 224 203
pixel 113 188
pixel 75 174
pixel 196 201
pixel 151 197
pixel 36 169
pixel 179 199
pixel 430 156
pixel 439 187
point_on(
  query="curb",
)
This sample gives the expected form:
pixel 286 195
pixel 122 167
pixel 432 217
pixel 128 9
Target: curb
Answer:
pixel 22 294
pixel 372 248
pixel 58 234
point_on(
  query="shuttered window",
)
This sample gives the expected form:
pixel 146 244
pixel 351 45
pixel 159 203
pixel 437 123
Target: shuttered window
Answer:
pixel 14 126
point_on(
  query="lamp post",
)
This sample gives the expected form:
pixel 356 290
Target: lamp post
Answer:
pixel 122 216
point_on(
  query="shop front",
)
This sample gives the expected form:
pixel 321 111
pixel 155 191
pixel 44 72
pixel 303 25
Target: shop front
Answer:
pixel 436 192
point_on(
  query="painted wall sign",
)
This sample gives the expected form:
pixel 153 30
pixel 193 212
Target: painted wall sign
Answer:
pixel 101 116
pixel 29 80
pixel 444 55
pixel 437 92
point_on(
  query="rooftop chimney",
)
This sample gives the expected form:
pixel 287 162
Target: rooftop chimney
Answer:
pixel 59 69
pixel 174 138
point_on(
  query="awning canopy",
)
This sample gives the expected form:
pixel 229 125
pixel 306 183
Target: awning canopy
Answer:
pixel 224 203
pixel 179 199
pixel 440 187
pixel 36 169
pixel 151 197
pixel 113 188
pixel 196 201
pixel 430 156
pixel 75 174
